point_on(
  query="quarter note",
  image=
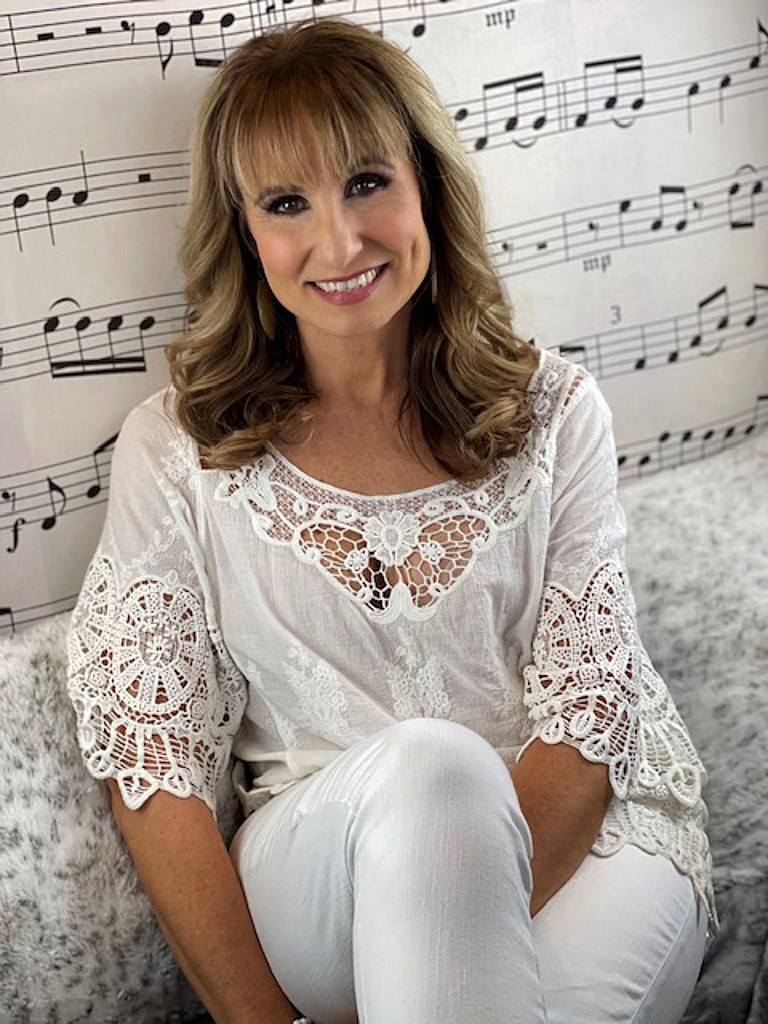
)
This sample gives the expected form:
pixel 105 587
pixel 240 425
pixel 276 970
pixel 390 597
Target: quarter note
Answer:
pixel 81 195
pixel 53 195
pixel 20 200
pixel 7 620
pixel 101 457
pixel 164 45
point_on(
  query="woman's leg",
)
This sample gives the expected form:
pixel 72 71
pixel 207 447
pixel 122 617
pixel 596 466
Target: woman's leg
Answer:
pixel 621 943
pixel 395 883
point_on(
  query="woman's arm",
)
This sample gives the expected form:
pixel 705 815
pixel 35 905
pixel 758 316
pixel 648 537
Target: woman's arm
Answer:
pixel 196 896
pixel 564 799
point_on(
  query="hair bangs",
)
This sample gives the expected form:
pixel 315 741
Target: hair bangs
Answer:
pixel 317 119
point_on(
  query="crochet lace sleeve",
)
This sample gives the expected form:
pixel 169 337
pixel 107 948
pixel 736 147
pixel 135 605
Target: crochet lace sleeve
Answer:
pixel 156 695
pixel 590 682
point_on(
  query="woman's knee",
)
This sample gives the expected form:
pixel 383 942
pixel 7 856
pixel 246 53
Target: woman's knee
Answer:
pixel 438 759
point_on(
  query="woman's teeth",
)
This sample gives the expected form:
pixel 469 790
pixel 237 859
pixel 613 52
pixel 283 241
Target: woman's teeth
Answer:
pixel 351 283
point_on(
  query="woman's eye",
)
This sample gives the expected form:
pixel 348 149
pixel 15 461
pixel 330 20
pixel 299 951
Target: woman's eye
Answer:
pixel 364 184
pixel 286 205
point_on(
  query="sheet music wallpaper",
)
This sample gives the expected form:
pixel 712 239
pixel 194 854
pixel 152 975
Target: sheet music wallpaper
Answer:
pixel 624 151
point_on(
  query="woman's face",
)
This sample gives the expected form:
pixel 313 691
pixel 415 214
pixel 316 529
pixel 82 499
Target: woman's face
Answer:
pixel 343 254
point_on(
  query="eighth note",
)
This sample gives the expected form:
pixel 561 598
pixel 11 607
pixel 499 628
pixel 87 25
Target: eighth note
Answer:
pixel 55 493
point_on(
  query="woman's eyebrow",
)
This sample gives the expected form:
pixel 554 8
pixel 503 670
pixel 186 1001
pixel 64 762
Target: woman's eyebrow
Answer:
pixel 276 190
pixel 271 191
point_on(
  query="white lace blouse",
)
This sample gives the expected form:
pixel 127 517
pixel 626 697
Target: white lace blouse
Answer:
pixel 263 613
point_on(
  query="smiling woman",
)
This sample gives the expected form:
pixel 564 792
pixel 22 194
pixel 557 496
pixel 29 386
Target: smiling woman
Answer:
pixel 355 242
pixel 338 112
pixel 369 543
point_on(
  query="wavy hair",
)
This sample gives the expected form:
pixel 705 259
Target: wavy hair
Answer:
pixel 356 96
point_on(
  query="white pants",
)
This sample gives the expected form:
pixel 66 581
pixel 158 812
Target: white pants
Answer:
pixel 394 886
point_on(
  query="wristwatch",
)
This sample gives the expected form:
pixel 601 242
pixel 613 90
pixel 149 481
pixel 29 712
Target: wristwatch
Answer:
pixel 302 1020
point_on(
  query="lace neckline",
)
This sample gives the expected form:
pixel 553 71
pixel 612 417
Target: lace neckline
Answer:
pixel 315 482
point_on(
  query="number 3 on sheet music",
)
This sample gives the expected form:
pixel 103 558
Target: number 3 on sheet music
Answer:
pixel 615 314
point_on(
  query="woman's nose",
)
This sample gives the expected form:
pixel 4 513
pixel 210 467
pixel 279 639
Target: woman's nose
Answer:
pixel 338 239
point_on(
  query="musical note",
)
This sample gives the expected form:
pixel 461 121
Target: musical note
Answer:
pixel 49 198
pixel 741 200
pixel 56 494
pixel 713 311
pixel 671 449
pixel 68 360
pixel 420 27
pixel 116 340
pixel 638 220
pixel 674 196
pixel 212 60
pixel 616 91
pixel 164 45
pixel 759 298
pixel 718 322
pixel 102 456
pixel 614 86
pixel 41 496
pixel 20 200
pixel 762 46
pixel 526 114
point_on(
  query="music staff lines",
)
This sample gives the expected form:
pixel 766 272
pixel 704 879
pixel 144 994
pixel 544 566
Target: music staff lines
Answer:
pixel 592 233
pixel 55 38
pixel 718 323
pixel 47 198
pixel 617 90
pixel 671 449
pixel 13 617
pixel 39 497
pixel 113 338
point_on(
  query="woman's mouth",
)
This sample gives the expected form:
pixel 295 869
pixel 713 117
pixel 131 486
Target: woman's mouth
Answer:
pixel 353 288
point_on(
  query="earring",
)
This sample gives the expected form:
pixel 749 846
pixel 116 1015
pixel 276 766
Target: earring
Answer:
pixel 266 310
pixel 433 279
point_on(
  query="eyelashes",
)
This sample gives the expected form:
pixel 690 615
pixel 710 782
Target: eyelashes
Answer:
pixel 360 185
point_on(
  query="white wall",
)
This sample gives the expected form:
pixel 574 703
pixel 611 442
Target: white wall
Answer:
pixel 623 147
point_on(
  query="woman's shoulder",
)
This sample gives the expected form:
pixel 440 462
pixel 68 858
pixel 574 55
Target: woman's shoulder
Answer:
pixel 557 387
pixel 151 434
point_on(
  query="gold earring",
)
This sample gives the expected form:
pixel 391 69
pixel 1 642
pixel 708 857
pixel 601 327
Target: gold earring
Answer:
pixel 266 310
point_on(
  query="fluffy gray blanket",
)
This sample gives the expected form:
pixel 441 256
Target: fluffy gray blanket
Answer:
pixel 698 559
pixel 77 941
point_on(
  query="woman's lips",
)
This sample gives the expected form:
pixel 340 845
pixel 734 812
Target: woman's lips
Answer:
pixel 338 291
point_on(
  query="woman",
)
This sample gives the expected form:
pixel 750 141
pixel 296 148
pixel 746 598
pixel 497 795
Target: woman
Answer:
pixel 369 542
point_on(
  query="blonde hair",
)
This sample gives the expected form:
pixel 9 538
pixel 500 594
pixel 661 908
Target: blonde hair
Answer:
pixel 237 390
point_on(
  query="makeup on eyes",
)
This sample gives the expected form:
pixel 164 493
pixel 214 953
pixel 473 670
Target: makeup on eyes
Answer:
pixel 379 173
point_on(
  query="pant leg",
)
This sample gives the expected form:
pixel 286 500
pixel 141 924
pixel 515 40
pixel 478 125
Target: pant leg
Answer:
pixel 621 943
pixel 395 883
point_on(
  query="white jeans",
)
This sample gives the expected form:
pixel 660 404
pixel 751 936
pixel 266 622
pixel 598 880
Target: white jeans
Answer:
pixel 394 886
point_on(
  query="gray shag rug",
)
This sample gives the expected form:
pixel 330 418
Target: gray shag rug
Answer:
pixel 698 560
pixel 77 939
